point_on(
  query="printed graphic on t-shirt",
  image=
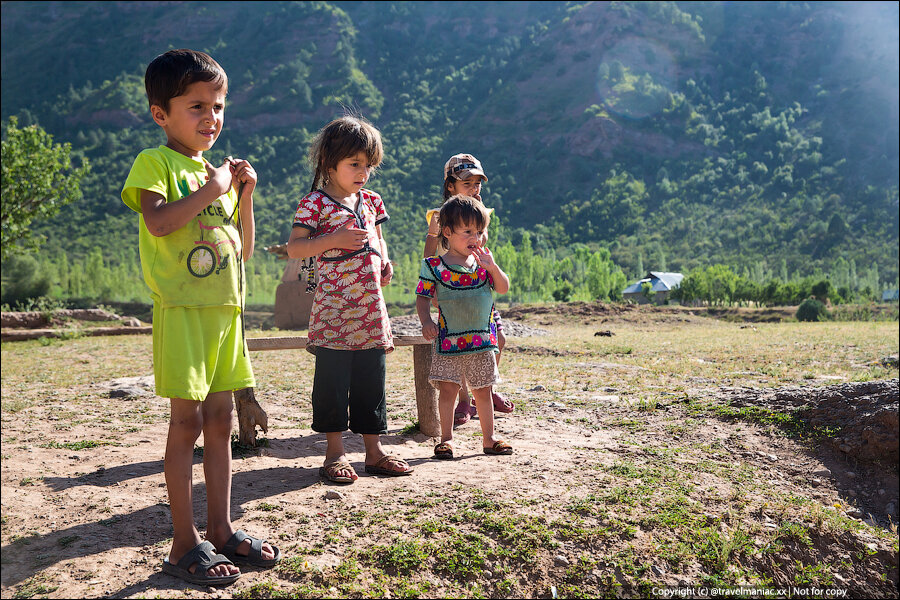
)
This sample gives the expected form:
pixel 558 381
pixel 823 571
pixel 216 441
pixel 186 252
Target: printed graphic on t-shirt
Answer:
pixel 210 253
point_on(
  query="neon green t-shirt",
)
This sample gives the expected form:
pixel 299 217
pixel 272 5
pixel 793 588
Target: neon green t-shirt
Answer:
pixel 199 264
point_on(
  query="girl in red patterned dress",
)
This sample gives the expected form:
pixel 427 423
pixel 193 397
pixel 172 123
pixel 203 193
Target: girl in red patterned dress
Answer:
pixel 339 223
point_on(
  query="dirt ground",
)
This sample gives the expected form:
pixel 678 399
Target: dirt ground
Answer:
pixel 611 490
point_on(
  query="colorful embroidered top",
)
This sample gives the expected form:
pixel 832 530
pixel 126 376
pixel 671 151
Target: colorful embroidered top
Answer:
pixel 465 306
pixel 348 311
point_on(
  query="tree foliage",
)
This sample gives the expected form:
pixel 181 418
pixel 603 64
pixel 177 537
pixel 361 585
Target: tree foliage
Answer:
pixel 38 180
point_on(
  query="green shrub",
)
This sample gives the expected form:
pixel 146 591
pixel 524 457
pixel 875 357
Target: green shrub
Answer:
pixel 811 310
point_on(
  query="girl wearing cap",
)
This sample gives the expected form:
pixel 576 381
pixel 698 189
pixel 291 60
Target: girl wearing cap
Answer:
pixel 464 175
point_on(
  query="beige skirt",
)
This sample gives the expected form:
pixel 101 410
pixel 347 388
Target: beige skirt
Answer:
pixel 479 369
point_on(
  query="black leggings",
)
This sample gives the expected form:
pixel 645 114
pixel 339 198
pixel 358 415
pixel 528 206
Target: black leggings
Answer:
pixel 348 391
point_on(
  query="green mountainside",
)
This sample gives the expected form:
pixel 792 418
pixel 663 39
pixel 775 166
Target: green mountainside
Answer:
pixel 676 135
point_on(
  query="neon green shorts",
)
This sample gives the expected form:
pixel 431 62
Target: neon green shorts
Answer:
pixel 199 351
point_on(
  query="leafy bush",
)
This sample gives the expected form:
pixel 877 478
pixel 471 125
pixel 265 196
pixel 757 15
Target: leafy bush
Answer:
pixel 23 281
pixel 811 310
pixel 563 293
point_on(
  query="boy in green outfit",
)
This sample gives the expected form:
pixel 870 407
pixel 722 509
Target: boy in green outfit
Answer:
pixel 195 234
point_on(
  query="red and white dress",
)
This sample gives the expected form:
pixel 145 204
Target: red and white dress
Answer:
pixel 348 311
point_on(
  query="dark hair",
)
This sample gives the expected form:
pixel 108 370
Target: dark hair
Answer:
pixel 462 210
pixel 342 138
pixel 447 183
pixel 169 75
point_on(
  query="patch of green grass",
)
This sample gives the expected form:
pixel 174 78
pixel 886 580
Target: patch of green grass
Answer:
pixel 14 406
pixel 818 574
pixel 795 532
pixel 404 588
pixel 464 555
pixel 35 586
pixel 266 589
pixel 68 540
pixel 79 445
pixel 716 549
pixel 401 556
pixel 632 425
pixel 411 429
pixel 434 526
pixel 522 535
pixel 348 570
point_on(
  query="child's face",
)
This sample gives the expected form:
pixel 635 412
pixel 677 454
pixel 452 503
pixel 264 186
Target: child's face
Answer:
pixel 349 175
pixel 464 238
pixel 470 186
pixel 194 119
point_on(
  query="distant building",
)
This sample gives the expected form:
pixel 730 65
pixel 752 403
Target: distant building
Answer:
pixel 890 295
pixel 661 284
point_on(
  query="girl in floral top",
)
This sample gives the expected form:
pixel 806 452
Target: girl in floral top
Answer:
pixel 466 334
pixel 339 223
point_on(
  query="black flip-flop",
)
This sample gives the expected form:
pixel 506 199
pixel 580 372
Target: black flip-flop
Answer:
pixel 205 557
pixel 254 558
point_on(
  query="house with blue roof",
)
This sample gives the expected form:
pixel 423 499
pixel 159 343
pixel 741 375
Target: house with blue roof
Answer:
pixel 661 286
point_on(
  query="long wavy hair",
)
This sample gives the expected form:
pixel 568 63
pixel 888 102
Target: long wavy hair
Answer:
pixel 342 138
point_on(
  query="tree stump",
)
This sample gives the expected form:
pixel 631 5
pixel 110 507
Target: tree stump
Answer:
pixel 250 414
pixel 426 395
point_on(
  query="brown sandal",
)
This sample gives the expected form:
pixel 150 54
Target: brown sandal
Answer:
pixel 499 448
pixel 332 472
pixel 443 451
pixel 379 467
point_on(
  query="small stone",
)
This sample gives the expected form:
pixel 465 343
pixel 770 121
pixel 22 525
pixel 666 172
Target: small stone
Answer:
pixel 855 513
pixel 851 474
pixel 538 388
pixel 773 457
pixel 333 495
pixel 561 561
pixel 822 472
pixel 816 482
pixel 544 476
pixel 872 546
pixel 852 493
pixel 881 492
pixel 890 509
pixel 657 570
pixel 487 574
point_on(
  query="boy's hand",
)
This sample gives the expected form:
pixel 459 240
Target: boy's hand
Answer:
pixel 219 178
pixel 387 273
pixel 429 330
pixel 242 172
pixel 349 237
pixel 484 258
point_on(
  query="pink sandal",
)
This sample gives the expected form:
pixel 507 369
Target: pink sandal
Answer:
pixel 463 413
pixel 501 404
